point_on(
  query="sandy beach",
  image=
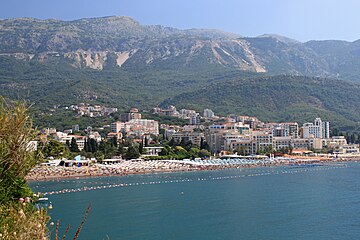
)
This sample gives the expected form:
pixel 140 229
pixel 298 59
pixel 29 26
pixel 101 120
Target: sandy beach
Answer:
pixel 43 172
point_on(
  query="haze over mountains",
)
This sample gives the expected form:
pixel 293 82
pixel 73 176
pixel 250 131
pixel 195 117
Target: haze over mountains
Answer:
pixel 128 64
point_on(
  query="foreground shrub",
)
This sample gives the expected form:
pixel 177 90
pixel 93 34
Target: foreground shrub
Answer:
pixel 17 220
pixel 20 222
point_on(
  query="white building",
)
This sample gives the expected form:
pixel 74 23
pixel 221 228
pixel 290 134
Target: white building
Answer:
pixel 291 129
pixel 348 149
pixel 142 126
pixel 63 138
pixel 152 151
pixel 117 127
pixel 95 135
pixel 326 129
pixel 194 120
pixel 262 139
pixel 318 129
pixel 282 142
pixel 193 137
pixel 336 141
pixel 208 113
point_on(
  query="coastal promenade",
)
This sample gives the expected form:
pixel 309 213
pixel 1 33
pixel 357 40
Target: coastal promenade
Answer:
pixel 43 172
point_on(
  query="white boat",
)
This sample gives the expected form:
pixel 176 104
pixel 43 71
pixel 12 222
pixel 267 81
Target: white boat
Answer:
pixel 43 199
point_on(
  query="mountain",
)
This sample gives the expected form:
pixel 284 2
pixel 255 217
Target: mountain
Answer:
pixel 33 36
pixel 124 64
pixel 343 58
pixel 280 38
pixel 211 33
pixel 124 42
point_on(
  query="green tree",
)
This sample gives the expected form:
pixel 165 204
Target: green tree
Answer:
pixel 16 159
pixel 187 144
pixel 88 145
pixel 107 148
pixel 146 142
pixel 206 146
pixel 194 152
pixel 120 151
pixel 166 151
pixel 67 143
pixel 202 143
pixel 172 143
pixel 55 149
pixel 99 156
pixel 93 145
pixel 132 152
pixel 203 153
pixel 114 142
pixel 181 153
pixel 73 146
pixel 141 148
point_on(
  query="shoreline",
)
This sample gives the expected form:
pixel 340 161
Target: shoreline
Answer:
pixel 57 173
pixel 54 178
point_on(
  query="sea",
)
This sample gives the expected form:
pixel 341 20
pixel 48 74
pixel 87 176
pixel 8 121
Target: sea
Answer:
pixel 272 203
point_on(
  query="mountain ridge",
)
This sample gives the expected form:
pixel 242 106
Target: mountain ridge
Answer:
pixel 126 64
pixel 87 43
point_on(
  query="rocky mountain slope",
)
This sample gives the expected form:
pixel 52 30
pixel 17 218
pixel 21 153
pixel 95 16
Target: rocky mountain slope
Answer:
pixel 123 42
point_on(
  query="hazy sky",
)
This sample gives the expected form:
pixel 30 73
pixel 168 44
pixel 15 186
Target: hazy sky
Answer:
pixel 299 19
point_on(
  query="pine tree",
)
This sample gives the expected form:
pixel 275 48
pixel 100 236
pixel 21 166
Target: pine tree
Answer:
pixel 114 142
pixel 86 147
pixel 202 143
pixel 73 146
pixel 132 153
pixel 93 145
pixel 120 150
pixel 141 148
pixel 146 142
pixel 67 143
pixel 183 142
pixel 206 146
pixel 172 142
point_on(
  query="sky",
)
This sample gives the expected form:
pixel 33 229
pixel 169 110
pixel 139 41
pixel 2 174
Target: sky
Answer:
pixel 302 20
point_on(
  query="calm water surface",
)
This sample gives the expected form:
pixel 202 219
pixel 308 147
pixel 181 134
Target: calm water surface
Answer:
pixel 265 203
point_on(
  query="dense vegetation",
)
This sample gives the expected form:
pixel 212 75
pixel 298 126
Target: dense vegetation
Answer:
pixel 47 85
pixel 18 219
pixel 126 148
pixel 166 119
pixel 281 98
pixel 16 159
pixel 184 149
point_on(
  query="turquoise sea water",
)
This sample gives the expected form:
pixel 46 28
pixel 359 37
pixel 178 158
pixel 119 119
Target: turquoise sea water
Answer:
pixel 264 203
